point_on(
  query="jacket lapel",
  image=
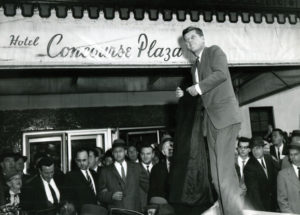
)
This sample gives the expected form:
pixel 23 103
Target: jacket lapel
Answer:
pixel 116 173
pixel 293 177
pixel 260 168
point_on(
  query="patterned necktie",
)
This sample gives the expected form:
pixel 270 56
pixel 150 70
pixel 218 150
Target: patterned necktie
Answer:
pixel 90 181
pixel 123 173
pixel 55 200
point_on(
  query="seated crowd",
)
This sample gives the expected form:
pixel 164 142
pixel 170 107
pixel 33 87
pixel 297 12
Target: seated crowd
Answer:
pixel 129 178
pixel 135 178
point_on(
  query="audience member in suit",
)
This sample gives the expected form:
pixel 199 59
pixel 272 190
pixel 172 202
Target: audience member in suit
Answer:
pixel 7 163
pixel 108 158
pixel 119 184
pixel 19 165
pixel 288 182
pixel 94 161
pixel 81 183
pixel 243 149
pixel 260 175
pixel 132 152
pixel 159 177
pixel 279 148
pixel 100 155
pixel 147 155
pixel 44 191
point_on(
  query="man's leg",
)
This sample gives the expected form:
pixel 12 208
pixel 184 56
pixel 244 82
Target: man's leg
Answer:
pixel 221 147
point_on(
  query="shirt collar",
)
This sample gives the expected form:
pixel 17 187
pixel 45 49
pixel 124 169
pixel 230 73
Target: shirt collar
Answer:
pixel 241 160
pixel 46 182
pixel 119 164
pixel 145 165
pixel 200 54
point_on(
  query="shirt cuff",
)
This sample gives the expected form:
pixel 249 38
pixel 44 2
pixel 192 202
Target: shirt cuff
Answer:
pixel 198 89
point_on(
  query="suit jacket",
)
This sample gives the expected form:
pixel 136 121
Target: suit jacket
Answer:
pixel 110 182
pixel 274 154
pixel 78 189
pixel 33 195
pixel 261 190
pixel 159 181
pixel 218 96
pixel 145 187
pixel 288 191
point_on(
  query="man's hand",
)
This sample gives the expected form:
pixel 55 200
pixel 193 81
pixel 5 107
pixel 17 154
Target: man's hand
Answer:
pixel 117 196
pixel 179 92
pixel 192 90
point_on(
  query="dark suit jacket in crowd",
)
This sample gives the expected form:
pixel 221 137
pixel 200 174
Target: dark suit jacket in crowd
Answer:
pixel 159 181
pixel 261 190
pixel 145 187
pixel 33 195
pixel 218 96
pixel 274 154
pixel 78 189
pixel 110 182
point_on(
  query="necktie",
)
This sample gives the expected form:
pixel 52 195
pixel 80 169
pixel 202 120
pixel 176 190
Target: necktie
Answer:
pixel 90 181
pixel 264 166
pixel 123 173
pixel 278 154
pixel 148 169
pixel 298 172
pixel 55 200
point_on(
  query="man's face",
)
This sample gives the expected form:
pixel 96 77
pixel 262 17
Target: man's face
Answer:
pixel 132 153
pixel 82 160
pixel 108 161
pixel 276 138
pixel 19 164
pixel 15 182
pixel 119 154
pixel 47 172
pixel 147 155
pixel 93 160
pixel 167 149
pixel 8 164
pixel 258 152
pixel 295 156
pixel 243 149
pixel 194 42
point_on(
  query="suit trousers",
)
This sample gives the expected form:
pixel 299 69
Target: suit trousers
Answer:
pixel 221 144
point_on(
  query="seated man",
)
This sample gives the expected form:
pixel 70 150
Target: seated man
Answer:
pixel 159 186
pixel 288 184
pixel 119 183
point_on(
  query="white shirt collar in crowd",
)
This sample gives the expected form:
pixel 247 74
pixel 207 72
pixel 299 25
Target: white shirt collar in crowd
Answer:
pixel 118 167
pixel 48 191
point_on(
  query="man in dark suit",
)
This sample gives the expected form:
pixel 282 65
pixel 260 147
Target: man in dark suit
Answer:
pixel 260 178
pixel 44 191
pixel 279 148
pixel 147 155
pixel 81 183
pixel 212 85
pixel 94 161
pixel 119 184
pixel 159 177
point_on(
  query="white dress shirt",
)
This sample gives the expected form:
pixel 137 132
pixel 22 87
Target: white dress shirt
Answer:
pixel 264 168
pixel 48 191
pixel 145 166
pixel 296 170
pixel 240 163
pixel 91 177
pixel 196 75
pixel 280 150
pixel 14 198
pixel 118 167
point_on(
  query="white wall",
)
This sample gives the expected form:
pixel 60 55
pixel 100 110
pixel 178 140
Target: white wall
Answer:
pixel 286 106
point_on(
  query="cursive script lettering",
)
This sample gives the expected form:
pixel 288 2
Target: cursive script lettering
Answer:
pixel 18 41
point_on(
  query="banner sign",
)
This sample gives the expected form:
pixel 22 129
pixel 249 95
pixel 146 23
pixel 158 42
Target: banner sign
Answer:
pixel 53 42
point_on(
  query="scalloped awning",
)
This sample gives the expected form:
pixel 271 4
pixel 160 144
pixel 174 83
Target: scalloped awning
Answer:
pixel 232 10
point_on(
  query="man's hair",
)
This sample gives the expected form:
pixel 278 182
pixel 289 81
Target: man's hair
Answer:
pixel 96 153
pixel 45 161
pixel 192 28
pixel 81 150
pixel 243 140
pixel 279 131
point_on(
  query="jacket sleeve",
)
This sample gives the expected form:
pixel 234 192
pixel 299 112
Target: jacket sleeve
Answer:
pixel 282 196
pixel 104 195
pixel 219 69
